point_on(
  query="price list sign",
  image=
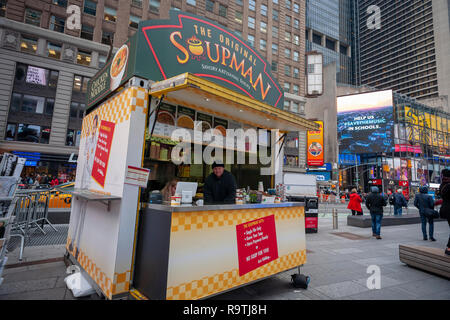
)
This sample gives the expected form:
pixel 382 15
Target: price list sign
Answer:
pixel 102 151
pixel 257 243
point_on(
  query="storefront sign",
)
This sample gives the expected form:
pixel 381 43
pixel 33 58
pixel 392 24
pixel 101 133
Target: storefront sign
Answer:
pixel 162 49
pixel 376 182
pixel 403 183
pixel 102 152
pixel 257 243
pixel 315 146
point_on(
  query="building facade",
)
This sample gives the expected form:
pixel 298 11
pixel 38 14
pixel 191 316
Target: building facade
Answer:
pixel 47 62
pixel 408 52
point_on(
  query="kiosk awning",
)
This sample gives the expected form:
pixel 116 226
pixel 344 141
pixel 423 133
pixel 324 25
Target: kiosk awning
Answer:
pixel 200 94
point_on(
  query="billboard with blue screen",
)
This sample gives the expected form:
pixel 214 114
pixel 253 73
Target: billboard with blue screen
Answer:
pixel 365 122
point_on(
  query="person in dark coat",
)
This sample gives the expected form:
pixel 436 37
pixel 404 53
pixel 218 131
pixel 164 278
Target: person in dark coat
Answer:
pixel 399 202
pixel 444 193
pixel 375 203
pixel 422 202
pixel 220 186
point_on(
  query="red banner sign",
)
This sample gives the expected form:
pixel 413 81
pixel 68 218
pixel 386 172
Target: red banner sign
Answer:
pixel 376 182
pixel 102 151
pixel 403 183
pixel 257 243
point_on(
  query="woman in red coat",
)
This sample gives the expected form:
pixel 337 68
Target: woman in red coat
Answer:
pixel 355 203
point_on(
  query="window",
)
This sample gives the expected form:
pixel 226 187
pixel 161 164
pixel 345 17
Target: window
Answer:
pixel 54 50
pixel 295 89
pixel 294 106
pixel 209 5
pixel 84 58
pixel 77 110
pixel 287 71
pixel 252 5
pixel 10 132
pixel 107 37
pixel 288 20
pixel 87 32
pixel 73 137
pixel 287 53
pixel 296 8
pixel 251 40
pixel 137 3
pixel 238 16
pixel 101 61
pixel 61 3
pixel 155 4
pixel 287 87
pixel 262 44
pixel 275 1
pixel 343 49
pixel 263 27
pixel 32 104
pixel 288 4
pixel 134 21
pixel 275 15
pixel 110 14
pixel 191 2
pixel 28 44
pixel 296 55
pixel 287 104
pixel 296 24
pixel 296 40
pixel 330 44
pixel 274 66
pixel 274 32
pixel 33 133
pixel 31 75
pixel 274 48
pixel 3 8
pixel 287 36
pixel 90 7
pixel 264 10
pixel 222 10
pixel 239 2
pixel 57 24
pixel 33 17
pixel 251 23
pixel 296 73
pixel 317 39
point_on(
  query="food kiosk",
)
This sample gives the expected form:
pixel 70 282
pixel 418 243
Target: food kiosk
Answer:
pixel 173 81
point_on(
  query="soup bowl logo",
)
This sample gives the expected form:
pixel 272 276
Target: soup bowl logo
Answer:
pixel 195 46
pixel 118 66
pixel 315 149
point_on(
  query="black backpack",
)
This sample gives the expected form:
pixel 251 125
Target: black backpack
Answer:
pixel 391 200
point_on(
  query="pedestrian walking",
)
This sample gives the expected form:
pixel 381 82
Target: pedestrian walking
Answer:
pixel 424 202
pixel 444 193
pixel 375 203
pixel 355 203
pixel 399 202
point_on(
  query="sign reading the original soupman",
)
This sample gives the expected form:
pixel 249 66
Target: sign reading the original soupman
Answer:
pixel 162 49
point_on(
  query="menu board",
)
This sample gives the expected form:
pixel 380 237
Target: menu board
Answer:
pixel 165 122
pixel 256 243
pixel 186 117
pixel 221 125
pixel 207 121
pixel 102 152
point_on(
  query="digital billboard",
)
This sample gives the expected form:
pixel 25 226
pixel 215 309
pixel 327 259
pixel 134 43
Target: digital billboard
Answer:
pixel 365 123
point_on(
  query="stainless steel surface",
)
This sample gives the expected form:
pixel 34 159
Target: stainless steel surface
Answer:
pixel 186 208
pixel 88 195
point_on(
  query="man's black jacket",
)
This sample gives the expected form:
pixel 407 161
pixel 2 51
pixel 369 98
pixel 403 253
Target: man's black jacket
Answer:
pixel 375 203
pixel 220 190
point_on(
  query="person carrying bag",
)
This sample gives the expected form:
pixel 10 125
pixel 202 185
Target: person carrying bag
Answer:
pixel 424 202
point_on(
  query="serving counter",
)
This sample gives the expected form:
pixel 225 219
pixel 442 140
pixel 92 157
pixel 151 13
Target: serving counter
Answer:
pixel 192 252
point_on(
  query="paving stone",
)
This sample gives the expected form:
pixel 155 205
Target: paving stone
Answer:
pixel 27 286
pixel 35 274
pixel 383 294
pixel 341 289
pixel 49 294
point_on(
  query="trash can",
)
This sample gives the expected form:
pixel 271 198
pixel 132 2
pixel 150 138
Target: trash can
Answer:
pixel 311 212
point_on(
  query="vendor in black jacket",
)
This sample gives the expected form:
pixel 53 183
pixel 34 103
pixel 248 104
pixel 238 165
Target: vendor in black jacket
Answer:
pixel 220 186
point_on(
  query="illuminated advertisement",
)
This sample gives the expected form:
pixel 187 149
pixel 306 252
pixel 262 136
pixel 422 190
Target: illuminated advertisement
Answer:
pixel 315 146
pixel 365 122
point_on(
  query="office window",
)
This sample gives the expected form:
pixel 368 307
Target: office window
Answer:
pixel 263 27
pixel 31 133
pixel 238 16
pixel 77 110
pixel 294 107
pixel 296 56
pixel 3 8
pixel 274 32
pixel 287 36
pixel 317 39
pixel 72 138
pixel 275 15
pixel 77 83
pixel 287 87
pixel 110 14
pixel 288 4
pixel 252 5
pixel 296 24
pixel 296 40
pixel 57 24
pixel 87 32
pixel 296 73
pixel 33 17
pixel 288 20
pixel 295 89
pixel 239 2
pixel 54 50
pixel 343 49
pixel 106 35
pixel 28 44
pixel 155 4
pixel 287 53
pixel 90 7
pixel 209 5
pixel 262 44
pixel 251 40
pixel 32 104
pixel 101 61
pixel 191 2
pixel 137 3
pixel 330 44
pixel 251 22
pixel 296 8
pixel 222 10
pixel 274 66
pixel 10 132
pixel 287 71
pixel 61 3
pixel 287 104
pixel 275 1
pixel 31 75
pixel 84 58
pixel 134 21
pixel 274 48
pixel 264 10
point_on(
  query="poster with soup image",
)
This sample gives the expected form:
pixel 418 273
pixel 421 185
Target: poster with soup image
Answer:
pixel 221 125
pixel 118 66
pixel 206 121
pixel 186 118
